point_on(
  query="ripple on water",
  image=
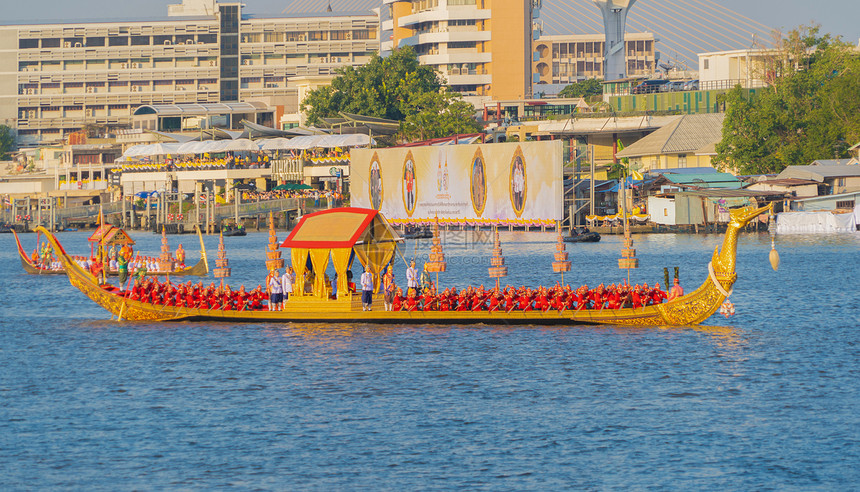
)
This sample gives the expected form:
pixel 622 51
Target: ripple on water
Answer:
pixel 764 400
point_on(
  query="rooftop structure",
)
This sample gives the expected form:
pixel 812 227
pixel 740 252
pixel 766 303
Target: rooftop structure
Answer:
pixel 57 78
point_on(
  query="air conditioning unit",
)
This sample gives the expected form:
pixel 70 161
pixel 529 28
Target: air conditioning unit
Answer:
pixel 134 88
pixel 213 63
pixel 78 45
pixel 246 62
pixel 189 41
pixel 123 65
pixel 135 65
pixel 32 113
pixel 91 90
pixel 29 91
pixel 167 42
pixel 67 44
pixel 89 112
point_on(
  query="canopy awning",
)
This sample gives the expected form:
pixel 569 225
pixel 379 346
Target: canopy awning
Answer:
pixel 338 233
pixel 110 235
pixel 339 228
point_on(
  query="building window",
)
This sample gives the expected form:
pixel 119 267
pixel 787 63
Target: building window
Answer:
pixel 845 204
pixel 682 160
pixel 705 63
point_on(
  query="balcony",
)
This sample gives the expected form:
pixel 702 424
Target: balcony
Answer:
pixel 450 58
pixel 462 13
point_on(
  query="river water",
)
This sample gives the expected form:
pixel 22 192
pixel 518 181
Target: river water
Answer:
pixel 767 399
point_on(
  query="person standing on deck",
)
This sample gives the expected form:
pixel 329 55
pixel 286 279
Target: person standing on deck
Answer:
pixel 287 281
pixel 388 288
pixel 276 291
pixel 411 278
pixel 366 290
pixel 426 280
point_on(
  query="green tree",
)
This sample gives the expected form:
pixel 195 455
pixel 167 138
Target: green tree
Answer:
pixel 382 88
pixel 585 88
pixel 7 142
pixel 809 110
pixel 438 114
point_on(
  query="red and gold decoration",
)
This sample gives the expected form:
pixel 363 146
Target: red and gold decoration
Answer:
pixel 436 261
pixel 273 255
pixel 222 269
pixel 165 261
pixel 561 263
pixel 628 258
pixel 497 261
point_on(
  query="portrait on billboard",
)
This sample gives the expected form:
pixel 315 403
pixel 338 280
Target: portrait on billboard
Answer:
pixel 375 182
pixel 518 182
pixel 478 183
pixel 410 189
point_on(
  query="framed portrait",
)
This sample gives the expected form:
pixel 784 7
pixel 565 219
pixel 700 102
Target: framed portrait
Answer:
pixel 478 182
pixel 375 182
pixel 519 183
pixel 409 184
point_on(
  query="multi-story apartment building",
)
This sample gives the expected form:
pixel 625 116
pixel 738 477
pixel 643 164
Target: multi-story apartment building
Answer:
pixel 565 59
pixel 57 78
pixel 482 47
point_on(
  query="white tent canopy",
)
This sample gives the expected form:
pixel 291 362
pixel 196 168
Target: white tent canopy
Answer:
pixel 152 149
pixel 240 145
pixel 303 142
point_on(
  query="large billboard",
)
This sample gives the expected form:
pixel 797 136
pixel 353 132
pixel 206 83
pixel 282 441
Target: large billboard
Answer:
pixel 491 183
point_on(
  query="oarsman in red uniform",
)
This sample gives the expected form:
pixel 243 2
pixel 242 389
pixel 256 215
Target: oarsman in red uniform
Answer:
pixel 428 299
pixel 657 294
pixel 636 298
pixel 495 300
pixel 509 299
pixel 524 301
pixel 478 300
pixel 445 300
pixel 557 302
pixel 462 302
pixel 541 300
pixel 397 301
pixel 411 301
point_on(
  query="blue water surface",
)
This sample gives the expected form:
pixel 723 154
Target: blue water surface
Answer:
pixel 766 400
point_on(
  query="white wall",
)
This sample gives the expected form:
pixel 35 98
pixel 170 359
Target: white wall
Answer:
pixel 662 210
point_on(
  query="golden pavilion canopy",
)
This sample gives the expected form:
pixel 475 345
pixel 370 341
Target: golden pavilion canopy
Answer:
pixel 342 234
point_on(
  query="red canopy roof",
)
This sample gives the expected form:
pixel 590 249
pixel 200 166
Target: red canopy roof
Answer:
pixel 335 228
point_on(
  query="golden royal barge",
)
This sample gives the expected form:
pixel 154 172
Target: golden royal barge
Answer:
pixel 340 234
pixel 199 269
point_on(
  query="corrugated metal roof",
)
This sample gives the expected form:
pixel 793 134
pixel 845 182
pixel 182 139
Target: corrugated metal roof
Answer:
pixel 819 173
pixel 685 135
pixel 726 193
pixel 200 109
pixel 702 178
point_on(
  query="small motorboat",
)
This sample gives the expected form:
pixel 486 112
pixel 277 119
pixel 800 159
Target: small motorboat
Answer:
pixel 582 235
pixel 417 232
pixel 231 230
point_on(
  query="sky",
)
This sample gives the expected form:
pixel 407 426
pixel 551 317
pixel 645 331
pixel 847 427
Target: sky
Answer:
pixel 838 17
